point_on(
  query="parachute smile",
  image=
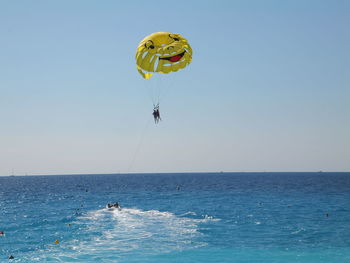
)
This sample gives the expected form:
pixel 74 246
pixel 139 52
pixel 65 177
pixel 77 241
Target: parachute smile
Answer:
pixel 175 58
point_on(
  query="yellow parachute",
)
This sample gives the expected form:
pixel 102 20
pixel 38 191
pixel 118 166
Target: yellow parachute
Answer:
pixel 162 52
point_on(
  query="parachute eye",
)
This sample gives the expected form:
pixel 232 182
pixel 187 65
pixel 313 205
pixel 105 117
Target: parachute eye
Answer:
pixel 149 44
pixel 174 38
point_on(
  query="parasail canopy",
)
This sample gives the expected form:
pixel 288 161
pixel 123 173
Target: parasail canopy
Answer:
pixel 162 52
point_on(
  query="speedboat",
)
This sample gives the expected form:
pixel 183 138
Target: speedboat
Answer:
pixel 112 207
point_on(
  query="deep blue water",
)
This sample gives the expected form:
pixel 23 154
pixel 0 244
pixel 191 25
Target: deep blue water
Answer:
pixel 216 217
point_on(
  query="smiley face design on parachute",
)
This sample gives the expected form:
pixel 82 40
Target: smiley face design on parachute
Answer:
pixel 162 52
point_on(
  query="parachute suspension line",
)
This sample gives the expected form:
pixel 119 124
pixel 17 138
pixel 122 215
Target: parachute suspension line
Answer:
pixel 154 90
pixel 166 85
pixel 142 136
pixel 150 88
pixel 159 88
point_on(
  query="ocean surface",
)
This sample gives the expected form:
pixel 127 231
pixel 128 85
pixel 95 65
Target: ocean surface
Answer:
pixel 202 217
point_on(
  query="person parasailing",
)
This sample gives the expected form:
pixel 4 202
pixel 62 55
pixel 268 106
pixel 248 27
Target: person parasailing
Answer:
pixel 156 114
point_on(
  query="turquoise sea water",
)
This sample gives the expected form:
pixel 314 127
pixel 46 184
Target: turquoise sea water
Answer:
pixel 216 217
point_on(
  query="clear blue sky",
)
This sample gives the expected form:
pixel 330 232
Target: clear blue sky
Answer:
pixel 268 88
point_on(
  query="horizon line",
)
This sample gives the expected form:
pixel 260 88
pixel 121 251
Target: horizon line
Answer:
pixel 164 173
